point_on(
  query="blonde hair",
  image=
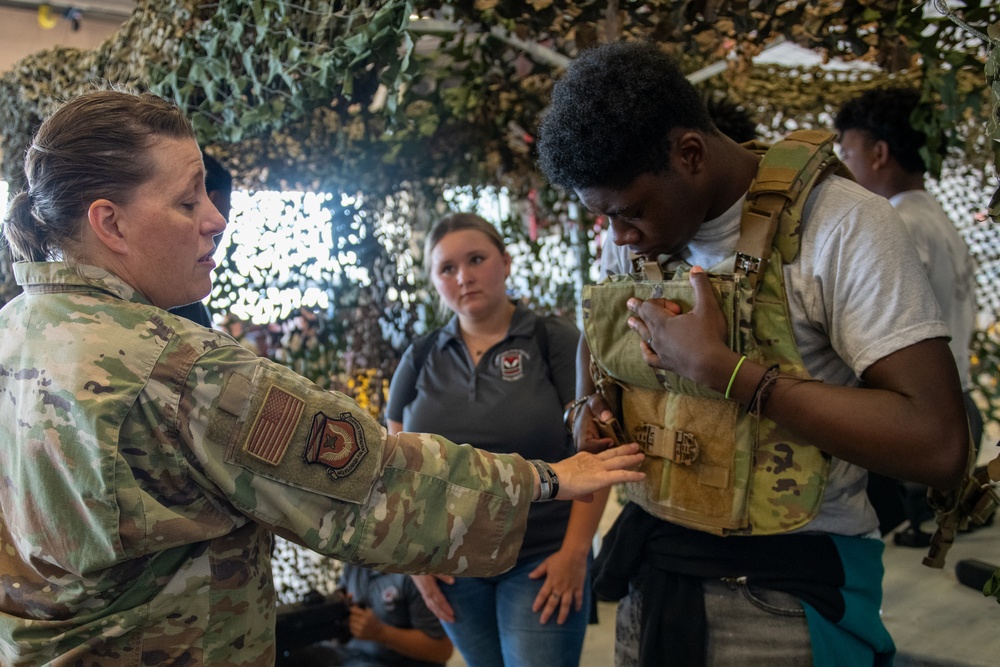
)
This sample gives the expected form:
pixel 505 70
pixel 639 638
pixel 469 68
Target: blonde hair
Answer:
pixel 456 222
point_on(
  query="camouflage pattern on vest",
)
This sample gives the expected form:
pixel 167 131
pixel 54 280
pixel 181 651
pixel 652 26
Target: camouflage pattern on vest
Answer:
pixel 146 461
pixel 710 465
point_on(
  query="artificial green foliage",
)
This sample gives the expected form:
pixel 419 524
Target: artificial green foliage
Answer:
pixel 986 343
pixel 358 267
pixel 985 362
pixel 399 101
pixel 247 67
pixel 992 587
pixel 993 126
pixel 355 94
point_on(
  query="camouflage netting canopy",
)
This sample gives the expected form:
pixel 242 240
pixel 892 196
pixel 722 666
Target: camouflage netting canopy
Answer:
pixel 390 104
pixel 380 97
pixel 393 102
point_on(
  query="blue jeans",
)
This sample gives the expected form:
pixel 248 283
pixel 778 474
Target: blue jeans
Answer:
pixel 495 627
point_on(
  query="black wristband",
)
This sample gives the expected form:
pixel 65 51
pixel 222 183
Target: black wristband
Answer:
pixel 548 481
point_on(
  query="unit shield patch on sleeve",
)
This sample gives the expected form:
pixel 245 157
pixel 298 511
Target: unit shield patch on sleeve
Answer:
pixel 337 443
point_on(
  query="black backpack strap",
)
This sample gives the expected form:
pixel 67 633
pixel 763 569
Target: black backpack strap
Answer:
pixel 422 347
pixel 542 336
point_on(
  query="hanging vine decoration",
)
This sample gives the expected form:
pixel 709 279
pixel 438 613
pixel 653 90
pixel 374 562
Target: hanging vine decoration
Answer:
pixel 361 96
pixel 993 127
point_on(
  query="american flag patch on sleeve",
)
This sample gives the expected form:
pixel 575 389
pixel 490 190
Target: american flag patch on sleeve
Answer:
pixel 274 426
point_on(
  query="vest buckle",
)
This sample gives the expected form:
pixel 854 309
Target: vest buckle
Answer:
pixel 645 435
pixel 686 448
pixel 677 446
pixel 747 264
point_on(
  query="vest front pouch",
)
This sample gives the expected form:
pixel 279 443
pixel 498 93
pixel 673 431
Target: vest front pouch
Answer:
pixel 615 347
pixel 697 468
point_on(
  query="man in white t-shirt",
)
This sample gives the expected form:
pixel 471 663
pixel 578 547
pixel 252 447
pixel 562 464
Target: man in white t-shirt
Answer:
pixel 882 149
pixel 630 136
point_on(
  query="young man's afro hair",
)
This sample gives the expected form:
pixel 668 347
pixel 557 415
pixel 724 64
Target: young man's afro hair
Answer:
pixel 611 115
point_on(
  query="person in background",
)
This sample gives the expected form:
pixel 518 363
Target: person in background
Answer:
pixel 880 146
pixel 389 623
pixel 219 186
pixel 854 374
pixel 499 376
pixel 148 460
pixel 730 118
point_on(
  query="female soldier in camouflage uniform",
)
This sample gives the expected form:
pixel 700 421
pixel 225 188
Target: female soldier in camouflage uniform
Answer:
pixel 147 460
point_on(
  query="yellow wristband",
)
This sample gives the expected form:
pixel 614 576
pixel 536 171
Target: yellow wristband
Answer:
pixel 735 371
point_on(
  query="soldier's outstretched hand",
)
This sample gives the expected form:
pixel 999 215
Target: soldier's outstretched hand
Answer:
pixel 583 473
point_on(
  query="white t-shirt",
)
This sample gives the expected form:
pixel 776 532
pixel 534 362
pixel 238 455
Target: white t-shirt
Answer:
pixel 856 294
pixel 948 265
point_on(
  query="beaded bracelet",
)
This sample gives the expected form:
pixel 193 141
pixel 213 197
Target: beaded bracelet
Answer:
pixel 548 481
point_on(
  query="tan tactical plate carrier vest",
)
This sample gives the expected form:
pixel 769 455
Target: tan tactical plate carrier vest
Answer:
pixel 709 465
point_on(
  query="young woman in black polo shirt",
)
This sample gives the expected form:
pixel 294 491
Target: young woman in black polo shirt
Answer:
pixel 498 376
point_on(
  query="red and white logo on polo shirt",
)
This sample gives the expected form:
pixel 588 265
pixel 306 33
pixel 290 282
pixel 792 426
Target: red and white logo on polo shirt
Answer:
pixel 390 595
pixel 512 364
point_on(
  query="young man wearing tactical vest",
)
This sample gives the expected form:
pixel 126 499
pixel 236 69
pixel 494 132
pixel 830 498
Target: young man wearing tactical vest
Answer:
pixel 808 349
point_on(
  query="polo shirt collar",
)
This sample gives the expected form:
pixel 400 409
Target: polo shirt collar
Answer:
pixel 521 325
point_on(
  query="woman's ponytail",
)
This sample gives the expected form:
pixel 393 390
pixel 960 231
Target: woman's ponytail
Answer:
pixel 22 230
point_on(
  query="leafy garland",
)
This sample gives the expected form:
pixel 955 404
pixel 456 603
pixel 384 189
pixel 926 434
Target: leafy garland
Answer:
pixel 363 96
pixel 397 100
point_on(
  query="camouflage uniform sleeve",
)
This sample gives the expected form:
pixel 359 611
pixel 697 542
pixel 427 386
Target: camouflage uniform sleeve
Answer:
pixel 317 469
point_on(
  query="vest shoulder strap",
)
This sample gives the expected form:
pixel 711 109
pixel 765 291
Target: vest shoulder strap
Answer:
pixel 772 213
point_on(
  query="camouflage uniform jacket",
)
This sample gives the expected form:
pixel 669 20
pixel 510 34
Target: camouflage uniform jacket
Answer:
pixel 145 462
